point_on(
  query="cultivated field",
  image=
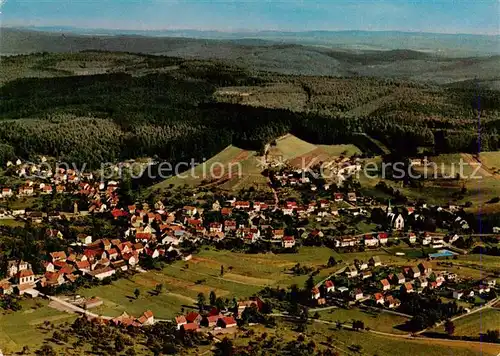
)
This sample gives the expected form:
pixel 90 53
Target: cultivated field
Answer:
pixel 26 327
pixel 245 275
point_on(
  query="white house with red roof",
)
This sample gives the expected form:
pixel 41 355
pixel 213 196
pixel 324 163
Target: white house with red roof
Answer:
pixel 215 227
pixel 7 192
pixel 370 241
pixel 385 284
pixel 379 298
pixel 329 286
pixel 180 321
pixel 288 241
pixel 383 238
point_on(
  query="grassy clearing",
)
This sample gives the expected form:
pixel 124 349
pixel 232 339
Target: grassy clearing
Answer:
pixel 290 147
pixel 22 203
pixel 475 324
pixel 23 328
pixel 195 176
pixel 491 161
pixel 119 297
pixel 379 321
pixel 338 150
pixel 11 222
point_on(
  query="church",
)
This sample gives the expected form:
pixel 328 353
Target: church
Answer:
pixel 395 219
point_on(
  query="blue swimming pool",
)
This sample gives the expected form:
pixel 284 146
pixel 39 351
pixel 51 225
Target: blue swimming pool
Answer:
pixel 442 253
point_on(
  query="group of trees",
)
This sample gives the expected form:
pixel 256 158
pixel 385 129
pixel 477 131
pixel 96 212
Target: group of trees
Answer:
pixel 427 310
pixel 105 339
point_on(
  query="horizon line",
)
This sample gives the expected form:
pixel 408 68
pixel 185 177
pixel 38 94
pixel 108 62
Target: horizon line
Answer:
pixel 236 31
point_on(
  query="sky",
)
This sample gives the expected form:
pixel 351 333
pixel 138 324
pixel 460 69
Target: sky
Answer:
pixel 438 16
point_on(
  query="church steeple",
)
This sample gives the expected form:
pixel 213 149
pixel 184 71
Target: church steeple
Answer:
pixel 389 207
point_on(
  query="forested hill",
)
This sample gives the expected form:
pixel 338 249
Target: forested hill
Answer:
pixel 394 56
pixel 93 107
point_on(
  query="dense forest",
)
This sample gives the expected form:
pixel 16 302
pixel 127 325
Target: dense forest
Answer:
pixel 165 107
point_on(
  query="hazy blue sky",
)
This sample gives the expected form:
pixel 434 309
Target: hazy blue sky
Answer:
pixel 449 16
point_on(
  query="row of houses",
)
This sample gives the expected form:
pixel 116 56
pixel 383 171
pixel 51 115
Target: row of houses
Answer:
pixel 216 319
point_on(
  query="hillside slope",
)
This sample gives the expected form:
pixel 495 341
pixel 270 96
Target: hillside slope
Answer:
pixel 235 168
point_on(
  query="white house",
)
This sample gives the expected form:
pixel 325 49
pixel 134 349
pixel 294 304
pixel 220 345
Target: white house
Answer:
pixel 370 241
pixel 288 241
pixel 105 272
pixel 357 294
pixel 329 286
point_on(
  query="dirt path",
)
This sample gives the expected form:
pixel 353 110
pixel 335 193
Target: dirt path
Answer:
pixel 483 170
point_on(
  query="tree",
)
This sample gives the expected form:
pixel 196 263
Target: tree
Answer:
pixel 119 344
pixel 201 301
pixel 130 352
pixel 46 350
pixel 493 335
pixel 212 298
pixel 137 292
pixel 220 304
pixel 224 348
pixel 159 288
pixel 309 285
pixel 449 327
pixel 331 261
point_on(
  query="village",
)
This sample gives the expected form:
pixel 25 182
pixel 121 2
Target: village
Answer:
pixel 164 233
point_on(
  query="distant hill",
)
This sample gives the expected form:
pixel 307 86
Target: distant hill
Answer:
pixel 443 44
pixel 268 54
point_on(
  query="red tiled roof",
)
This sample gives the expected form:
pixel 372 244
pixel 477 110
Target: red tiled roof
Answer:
pixel 191 317
pixel 190 327
pixel 143 235
pixel 180 319
pixel 228 320
pixel 25 273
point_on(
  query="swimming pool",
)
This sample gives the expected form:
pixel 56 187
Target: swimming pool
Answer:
pixel 442 253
